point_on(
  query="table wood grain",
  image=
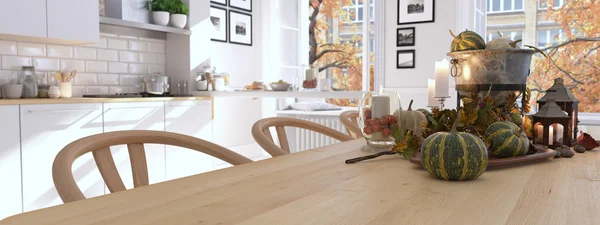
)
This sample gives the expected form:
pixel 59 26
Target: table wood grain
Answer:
pixel 316 187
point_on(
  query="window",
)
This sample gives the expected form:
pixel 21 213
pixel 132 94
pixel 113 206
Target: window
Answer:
pixel 338 50
pixel 549 37
pixel 355 12
pixel 505 5
pixel 557 4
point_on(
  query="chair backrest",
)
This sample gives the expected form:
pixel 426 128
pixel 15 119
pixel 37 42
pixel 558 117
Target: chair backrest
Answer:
pixel 262 134
pixel 350 121
pixel 100 144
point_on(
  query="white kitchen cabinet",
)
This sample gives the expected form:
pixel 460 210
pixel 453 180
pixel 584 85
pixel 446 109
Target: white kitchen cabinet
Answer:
pixel 192 118
pixel 137 116
pixel 45 130
pixel 74 20
pixel 50 21
pixel 10 162
pixel 23 17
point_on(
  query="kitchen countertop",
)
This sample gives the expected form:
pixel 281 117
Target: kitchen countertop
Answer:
pixel 280 94
pixel 36 101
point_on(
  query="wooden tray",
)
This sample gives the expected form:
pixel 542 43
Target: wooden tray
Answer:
pixel 542 154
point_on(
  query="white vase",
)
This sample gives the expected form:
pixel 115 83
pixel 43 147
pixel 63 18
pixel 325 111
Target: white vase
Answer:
pixel 178 20
pixel 160 18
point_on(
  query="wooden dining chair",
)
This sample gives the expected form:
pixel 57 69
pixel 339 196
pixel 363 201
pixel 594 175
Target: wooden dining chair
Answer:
pixel 262 134
pixel 350 121
pixel 99 145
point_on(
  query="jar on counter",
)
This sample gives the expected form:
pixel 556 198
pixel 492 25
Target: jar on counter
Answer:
pixel 218 83
pixel 30 88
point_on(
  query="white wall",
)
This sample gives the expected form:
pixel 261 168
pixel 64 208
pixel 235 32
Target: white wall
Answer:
pixel 432 43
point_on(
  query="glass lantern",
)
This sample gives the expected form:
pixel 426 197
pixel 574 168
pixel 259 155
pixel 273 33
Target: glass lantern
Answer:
pixel 376 116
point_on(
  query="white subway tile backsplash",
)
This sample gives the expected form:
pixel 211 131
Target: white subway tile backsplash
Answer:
pixel 117 89
pixel 130 80
pixel 96 90
pixel 138 68
pixel 156 69
pixel 102 43
pixel 78 91
pixel 108 79
pixel 117 67
pixel 86 79
pixel 31 49
pixel 128 37
pixel 114 64
pixel 8 47
pixel 156 47
pixel 15 62
pixel 84 53
pixel 125 56
pixel 140 46
pixel 46 64
pixel 72 64
pixel 161 59
pixel 114 43
pixel 108 55
pixel 59 51
pixel 96 66
pixel 147 57
pixel 152 39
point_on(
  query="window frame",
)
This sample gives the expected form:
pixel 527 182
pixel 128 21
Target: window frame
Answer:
pixel 539 5
pixel 360 5
pixel 502 10
pixel 549 37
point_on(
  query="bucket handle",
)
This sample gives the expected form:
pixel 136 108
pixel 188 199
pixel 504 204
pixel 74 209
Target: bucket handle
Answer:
pixel 456 69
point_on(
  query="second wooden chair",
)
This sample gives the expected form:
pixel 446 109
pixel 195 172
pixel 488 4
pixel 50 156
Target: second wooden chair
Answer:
pixel 262 134
pixel 350 121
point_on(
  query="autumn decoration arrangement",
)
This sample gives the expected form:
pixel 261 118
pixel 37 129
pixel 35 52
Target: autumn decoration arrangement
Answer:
pixel 489 126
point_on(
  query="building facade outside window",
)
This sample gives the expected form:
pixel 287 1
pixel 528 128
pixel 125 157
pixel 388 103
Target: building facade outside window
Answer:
pixel 504 5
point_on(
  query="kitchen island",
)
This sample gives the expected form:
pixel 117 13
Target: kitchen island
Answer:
pixel 316 187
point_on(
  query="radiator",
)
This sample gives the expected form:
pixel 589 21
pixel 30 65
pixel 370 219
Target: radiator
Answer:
pixel 302 139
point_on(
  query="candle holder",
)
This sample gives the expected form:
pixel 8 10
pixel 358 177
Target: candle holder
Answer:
pixel 441 101
pixel 375 119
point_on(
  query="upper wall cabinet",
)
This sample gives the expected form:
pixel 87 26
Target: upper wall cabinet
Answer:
pixel 50 21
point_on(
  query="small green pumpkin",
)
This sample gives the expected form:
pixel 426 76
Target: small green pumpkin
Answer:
pixel 506 139
pixel 454 155
pixel 467 40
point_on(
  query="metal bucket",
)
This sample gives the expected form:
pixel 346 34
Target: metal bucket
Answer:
pixel 492 67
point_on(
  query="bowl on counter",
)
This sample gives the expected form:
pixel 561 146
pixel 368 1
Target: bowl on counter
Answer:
pixel 12 91
pixel 280 87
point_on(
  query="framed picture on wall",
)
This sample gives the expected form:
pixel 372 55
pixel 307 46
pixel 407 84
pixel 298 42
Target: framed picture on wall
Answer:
pixel 240 28
pixel 241 4
pixel 405 37
pixel 218 18
pixel 405 59
pixel 219 2
pixel 416 11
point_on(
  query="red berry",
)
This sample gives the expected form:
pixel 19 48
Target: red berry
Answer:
pixel 368 113
pixel 367 122
pixel 377 128
pixel 393 120
pixel 386 132
pixel 374 122
pixel 384 121
pixel 368 130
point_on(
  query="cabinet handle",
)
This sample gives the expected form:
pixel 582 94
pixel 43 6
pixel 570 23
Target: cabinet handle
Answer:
pixel 60 111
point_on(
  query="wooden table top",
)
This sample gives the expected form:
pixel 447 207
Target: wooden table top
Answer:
pixel 316 187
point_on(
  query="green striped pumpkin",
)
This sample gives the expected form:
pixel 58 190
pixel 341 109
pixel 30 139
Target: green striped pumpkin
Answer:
pixel 467 40
pixel 454 155
pixel 506 139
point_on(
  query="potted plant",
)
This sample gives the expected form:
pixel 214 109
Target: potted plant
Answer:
pixel 179 12
pixel 160 11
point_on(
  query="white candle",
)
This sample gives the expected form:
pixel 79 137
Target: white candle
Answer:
pixel 380 106
pixel 551 139
pixel 431 102
pixel 442 70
